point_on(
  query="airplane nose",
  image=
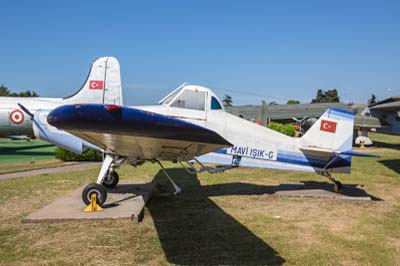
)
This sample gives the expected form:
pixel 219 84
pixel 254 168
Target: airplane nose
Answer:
pixel 59 116
pixel 52 118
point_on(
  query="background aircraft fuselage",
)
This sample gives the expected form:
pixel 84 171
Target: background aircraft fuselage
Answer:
pixel 14 122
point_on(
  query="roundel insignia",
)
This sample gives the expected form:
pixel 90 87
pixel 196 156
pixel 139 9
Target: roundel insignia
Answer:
pixel 17 117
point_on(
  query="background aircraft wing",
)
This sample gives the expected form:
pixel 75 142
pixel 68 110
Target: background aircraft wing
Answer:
pixel 389 104
pixel 135 133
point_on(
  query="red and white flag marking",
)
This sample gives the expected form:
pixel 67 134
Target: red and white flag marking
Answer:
pixel 96 84
pixel 328 126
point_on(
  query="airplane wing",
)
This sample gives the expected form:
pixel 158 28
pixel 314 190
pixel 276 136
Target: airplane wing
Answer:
pixel 391 106
pixel 361 121
pixel 136 134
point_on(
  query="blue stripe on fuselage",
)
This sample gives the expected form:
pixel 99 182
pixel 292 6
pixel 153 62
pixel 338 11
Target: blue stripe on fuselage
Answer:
pixel 299 158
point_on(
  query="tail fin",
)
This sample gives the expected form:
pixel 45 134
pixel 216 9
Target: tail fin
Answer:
pixel 332 131
pixel 102 85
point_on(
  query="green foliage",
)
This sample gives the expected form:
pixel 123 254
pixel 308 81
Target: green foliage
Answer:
pixel 4 91
pixel 329 96
pixel 293 102
pixel 89 155
pixel 227 100
pixel 287 129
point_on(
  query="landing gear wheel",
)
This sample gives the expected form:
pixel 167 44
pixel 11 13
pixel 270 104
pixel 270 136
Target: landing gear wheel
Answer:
pixel 337 187
pixel 101 193
pixel 111 179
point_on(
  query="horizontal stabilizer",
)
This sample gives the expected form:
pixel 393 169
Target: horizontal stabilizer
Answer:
pixel 324 152
pixel 318 151
pixel 359 154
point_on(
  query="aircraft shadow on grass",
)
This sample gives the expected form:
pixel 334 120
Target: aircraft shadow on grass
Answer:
pixel 392 146
pixel 393 164
pixel 193 230
pixel 27 150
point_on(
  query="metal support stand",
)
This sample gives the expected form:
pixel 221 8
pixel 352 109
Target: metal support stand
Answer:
pixel 176 187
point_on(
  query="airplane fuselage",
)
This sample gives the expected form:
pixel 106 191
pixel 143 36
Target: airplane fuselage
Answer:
pixel 14 122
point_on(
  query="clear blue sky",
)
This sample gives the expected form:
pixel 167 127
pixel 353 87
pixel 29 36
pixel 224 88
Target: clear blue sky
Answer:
pixel 282 49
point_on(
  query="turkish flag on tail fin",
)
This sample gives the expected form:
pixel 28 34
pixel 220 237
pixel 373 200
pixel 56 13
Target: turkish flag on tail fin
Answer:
pixel 96 84
pixel 328 126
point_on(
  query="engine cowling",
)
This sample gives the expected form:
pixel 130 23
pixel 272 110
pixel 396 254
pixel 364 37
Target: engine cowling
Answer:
pixel 46 132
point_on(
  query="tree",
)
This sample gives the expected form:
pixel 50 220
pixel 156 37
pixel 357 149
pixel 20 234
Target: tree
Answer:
pixel 28 93
pixel 329 96
pixel 227 100
pixel 372 100
pixel 292 102
pixel 4 91
pixel 332 96
pixel 320 97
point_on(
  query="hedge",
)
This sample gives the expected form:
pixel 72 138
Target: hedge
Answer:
pixel 89 155
pixel 287 129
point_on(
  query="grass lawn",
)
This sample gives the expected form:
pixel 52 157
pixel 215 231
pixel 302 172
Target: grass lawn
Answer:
pixel 218 219
pixel 13 151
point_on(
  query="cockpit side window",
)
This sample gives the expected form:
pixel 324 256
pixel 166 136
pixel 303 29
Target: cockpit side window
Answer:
pixel 191 100
pixel 215 105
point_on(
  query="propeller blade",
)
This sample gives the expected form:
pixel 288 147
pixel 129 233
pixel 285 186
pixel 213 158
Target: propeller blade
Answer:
pixel 26 111
pixel 295 119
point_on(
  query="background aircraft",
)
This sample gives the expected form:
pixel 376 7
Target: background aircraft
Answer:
pixel 190 124
pixel 381 117
pixel 387 111
pixel 102 85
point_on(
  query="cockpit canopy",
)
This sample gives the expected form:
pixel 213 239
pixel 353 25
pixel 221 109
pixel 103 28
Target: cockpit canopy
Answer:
pixel 192 97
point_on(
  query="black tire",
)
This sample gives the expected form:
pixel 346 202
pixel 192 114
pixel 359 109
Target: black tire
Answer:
pixel 337 187
pixel 111 180
pixel 101 193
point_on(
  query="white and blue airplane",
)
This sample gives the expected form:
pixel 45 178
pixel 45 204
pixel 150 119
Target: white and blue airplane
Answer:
pixel 190 125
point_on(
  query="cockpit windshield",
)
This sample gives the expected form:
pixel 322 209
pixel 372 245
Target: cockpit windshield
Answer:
pixel 170 97
pixel 190 99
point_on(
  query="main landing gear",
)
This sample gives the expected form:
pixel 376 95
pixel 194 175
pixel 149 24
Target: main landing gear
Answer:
pixel 109 178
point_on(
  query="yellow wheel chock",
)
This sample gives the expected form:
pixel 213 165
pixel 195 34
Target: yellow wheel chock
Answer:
pixel 362 145
pixel 93 206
